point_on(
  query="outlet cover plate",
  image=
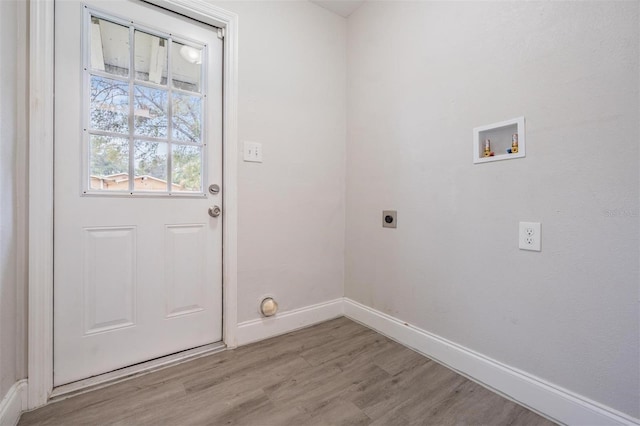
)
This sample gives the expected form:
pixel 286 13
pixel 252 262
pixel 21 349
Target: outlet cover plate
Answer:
pixel 529 236
pixel 389 218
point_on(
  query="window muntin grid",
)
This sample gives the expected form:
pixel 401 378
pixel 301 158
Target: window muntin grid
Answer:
pixel 136 124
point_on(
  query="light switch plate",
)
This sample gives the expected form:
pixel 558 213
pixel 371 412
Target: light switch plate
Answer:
pixel 529 236
pixel 252 152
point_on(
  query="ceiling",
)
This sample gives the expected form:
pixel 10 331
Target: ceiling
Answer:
pixel 341 7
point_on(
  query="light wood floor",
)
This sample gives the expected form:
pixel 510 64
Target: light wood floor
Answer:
pixel 335 373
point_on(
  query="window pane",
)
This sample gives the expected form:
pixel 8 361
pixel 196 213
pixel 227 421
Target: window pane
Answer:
pixel 187 168
pixel 144 121
pixel 109 163
pixel 186 67
pixel 151 166
pixel 109 47
pixel 150 58
pixel 109 104
pixel 187 115
pixel 150 115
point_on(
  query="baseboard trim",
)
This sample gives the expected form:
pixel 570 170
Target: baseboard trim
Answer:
pixel 282 323
pixel 554 402
pixel 13 404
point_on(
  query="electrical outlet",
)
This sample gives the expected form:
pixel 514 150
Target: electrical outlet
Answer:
pixel 389 218
pixel 530 236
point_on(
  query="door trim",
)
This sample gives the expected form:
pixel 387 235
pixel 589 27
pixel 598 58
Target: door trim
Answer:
pixel 40 172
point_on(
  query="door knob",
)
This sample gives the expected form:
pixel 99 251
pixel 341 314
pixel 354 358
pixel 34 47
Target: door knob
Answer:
pixel 215 211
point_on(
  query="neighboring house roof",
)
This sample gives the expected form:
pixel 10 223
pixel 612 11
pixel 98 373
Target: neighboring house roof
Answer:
pixel 124 177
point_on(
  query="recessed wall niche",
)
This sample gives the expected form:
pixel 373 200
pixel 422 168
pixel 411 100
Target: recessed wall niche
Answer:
pixel 499 141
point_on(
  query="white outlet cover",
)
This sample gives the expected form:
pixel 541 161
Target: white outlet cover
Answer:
pixel 529 236
pixel 252 152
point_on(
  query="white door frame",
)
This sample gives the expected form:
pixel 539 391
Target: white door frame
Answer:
pixel 41 163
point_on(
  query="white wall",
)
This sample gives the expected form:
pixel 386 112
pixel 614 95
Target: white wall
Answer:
pixel 292 99
pixel 421 76
pixel 12 283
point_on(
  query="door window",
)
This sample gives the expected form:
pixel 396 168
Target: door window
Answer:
pixel 144 129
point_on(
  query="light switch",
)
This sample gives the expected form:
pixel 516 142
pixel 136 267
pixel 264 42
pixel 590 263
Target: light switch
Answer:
pixel 253 152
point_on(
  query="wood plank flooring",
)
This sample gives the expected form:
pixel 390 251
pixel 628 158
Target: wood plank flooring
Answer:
pixel 334 373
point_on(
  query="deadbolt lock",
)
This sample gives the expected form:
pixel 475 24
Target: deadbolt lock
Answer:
pixel 214 189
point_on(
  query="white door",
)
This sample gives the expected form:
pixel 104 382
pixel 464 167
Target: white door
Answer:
pixel 138 141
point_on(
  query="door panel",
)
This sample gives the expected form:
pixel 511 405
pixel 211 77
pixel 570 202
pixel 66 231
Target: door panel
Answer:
pixel 185 268
pixel 109 281
pixel 138 138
